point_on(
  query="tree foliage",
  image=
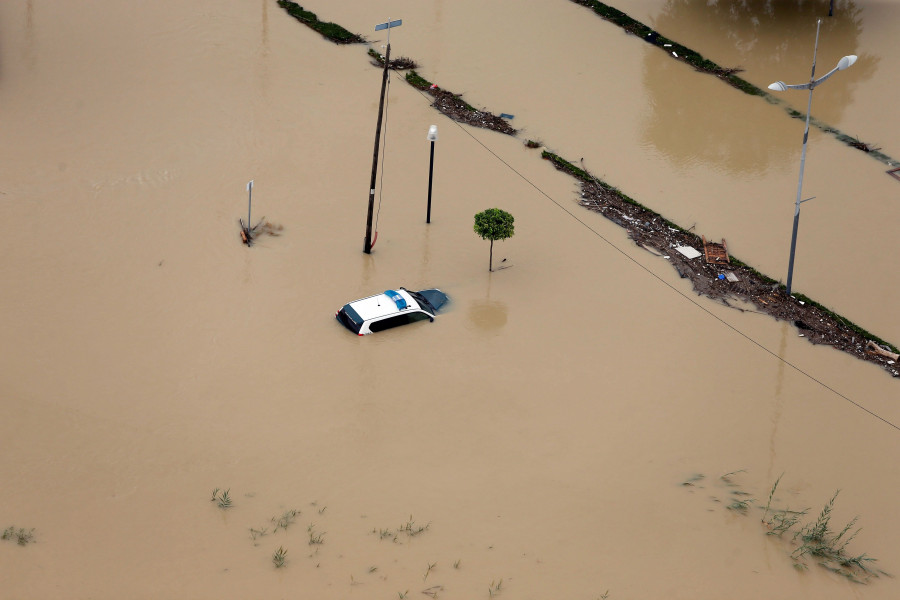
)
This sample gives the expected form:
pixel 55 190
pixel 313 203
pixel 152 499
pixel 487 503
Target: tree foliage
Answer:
pixel 494 224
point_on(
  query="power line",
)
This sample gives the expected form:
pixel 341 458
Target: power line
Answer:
pixel 670 286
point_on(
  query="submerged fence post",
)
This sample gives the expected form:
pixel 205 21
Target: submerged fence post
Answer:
pixel 249 201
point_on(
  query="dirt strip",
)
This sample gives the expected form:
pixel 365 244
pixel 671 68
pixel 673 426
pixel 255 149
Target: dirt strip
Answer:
pixel 651 231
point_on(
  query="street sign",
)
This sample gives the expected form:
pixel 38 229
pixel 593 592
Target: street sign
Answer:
pixel 389 24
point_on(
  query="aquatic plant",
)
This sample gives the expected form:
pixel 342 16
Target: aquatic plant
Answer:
pixel 331 31
pixel 282 522
pixel 222 499
pixel 810 541
pixel 21 535
pixel 771 495
pixel 817 540
pixel 417 81
pixel 315 538
pixel 412 529
pixel 727 478
pixel 278 557
pixel 693 480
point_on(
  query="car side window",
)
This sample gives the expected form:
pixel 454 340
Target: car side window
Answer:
pixel 397 320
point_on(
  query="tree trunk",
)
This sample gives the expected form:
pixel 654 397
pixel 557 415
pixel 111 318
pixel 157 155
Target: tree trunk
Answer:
pixel 491 258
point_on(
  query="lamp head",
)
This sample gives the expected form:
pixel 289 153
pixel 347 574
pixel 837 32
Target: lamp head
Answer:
pixel 847 61
pixel 778 86
pixel 432 134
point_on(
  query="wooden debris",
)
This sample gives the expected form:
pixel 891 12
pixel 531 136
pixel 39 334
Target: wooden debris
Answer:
pixel 881 351
pixel 263 227
pixel 246 233
pixel 716 254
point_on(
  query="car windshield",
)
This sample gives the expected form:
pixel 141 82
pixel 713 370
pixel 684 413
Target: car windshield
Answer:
pixel 435 297
pixel 423 301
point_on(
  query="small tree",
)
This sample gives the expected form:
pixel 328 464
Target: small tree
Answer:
pixel 494 224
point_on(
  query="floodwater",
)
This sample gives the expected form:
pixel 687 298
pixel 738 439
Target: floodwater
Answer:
pixel 543 425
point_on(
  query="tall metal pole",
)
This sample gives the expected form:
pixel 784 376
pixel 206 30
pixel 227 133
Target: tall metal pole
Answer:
pixel 430 177
pixel 431 137
pixel 780 86
pixel 367 247
pixel 812 81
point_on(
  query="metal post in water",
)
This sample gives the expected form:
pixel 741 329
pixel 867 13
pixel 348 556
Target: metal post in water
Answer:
pixel 249 202
pixel 432 137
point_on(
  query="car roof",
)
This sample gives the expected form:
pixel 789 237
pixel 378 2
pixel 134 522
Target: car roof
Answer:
pixel 382 305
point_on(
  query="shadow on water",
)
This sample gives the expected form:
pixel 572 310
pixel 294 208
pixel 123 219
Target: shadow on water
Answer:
pixel 778 403
pixel 768 41
pixel 487 316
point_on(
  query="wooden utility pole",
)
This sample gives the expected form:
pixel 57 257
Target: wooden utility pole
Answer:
pixel 367 247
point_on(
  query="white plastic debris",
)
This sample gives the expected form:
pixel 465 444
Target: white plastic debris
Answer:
pixel 667 45
pixel 731 277
pixel 675 54
pixel 688 251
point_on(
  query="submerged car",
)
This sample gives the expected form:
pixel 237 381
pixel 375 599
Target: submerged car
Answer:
pixel 390 309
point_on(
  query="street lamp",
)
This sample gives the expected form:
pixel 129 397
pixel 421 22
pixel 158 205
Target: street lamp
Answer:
pixel 780 86
pixel 432 137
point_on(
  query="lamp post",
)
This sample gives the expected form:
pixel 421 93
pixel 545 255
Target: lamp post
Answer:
pixel 432 137
pixel 780 86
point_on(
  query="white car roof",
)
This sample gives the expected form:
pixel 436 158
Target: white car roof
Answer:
pixel 382 305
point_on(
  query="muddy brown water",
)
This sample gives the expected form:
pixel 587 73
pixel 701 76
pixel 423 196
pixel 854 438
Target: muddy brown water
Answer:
pixel 541 427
